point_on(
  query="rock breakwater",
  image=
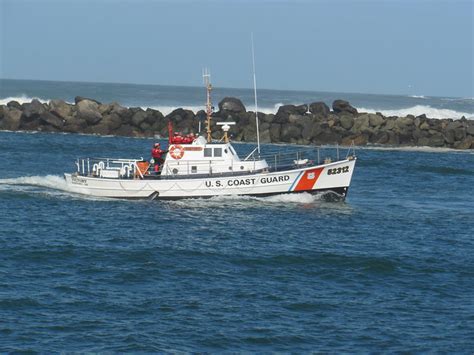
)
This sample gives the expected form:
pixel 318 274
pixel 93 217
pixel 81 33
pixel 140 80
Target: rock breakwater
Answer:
pixel 315 123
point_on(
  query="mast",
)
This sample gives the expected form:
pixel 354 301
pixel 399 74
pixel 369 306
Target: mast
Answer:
pixel 255 95
pixel 207 81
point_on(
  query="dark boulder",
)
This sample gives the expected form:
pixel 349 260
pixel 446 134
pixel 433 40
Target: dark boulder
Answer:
pixel 139 117
pixel 327 137
pixel 52 120
pixel 60 109
pixel 361 123
pixel 33 109
pixel 379 137
pixel 14 104
pixel 306 131
pixel 356 139
pixel 179 115
pixel 289 132
pixel 89 111
pixel 201 115
pixel 153 116
pixel 275 130
pixel 284 112
pixel 102 129
pixel 231 104
pixel 78 99
pixel 436 140
pixel 405 123
pixel 466 143
pixel 75 125
pixel 319 108
pixel 11 119
pixel 265 136
pixel 470 128
pixel 449 137
pixel 118 109
pixel 346 121
pixel 375 120
pixel 298 119
pixel 292 109
pixel 342 106
pixel 268 117
pixel 113 121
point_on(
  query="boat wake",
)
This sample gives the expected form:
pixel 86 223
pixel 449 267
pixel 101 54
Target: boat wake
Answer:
pixel 48 181
pixel 235 201
pixel 48 185
pixel 55 186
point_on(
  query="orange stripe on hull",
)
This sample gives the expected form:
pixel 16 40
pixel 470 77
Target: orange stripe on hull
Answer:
pixel 308 180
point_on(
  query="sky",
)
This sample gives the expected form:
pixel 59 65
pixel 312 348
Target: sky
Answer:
pixel 407 47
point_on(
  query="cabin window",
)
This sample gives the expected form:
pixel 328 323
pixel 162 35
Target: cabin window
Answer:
pixel 225 151
pixel 194 169
pixel 207 152
pixel 217 152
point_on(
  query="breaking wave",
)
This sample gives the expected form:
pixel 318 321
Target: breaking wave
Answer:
pixel 21 99
pixel 417 110
pixel 165 110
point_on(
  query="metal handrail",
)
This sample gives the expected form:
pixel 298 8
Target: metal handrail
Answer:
pixel 251 153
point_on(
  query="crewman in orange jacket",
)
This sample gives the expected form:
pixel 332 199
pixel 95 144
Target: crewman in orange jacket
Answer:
pixel 157 155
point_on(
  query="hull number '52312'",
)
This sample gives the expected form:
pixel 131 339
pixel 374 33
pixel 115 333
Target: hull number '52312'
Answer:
pixel 340 170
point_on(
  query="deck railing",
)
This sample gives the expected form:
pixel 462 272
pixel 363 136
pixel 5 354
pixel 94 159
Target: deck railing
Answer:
pixel 128 168
pixel 124 168
pixel 306 156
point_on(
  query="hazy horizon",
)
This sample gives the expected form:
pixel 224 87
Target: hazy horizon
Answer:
pixel 236 88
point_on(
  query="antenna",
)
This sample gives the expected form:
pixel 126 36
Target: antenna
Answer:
pixel 206 76
pixel 255 95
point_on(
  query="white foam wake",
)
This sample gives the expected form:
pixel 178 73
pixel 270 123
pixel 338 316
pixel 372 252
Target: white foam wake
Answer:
pixel 49 181
pixel 244 201
pixel 417 110
pixel 49 185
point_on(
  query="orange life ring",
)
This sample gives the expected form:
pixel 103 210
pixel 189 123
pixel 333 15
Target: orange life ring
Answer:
pixel 176 151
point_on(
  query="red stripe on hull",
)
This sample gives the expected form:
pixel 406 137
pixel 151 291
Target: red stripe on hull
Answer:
pixel 308 180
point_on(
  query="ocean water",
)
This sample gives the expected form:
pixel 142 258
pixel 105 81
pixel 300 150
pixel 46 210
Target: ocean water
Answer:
pixel 391 269
pixel 167 98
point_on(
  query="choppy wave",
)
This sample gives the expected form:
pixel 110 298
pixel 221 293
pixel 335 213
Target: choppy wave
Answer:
pixel 21 99
pixel 417 110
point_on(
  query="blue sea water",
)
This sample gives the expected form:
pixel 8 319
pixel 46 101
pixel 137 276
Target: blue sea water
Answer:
pixel 167 98
pixel 391 269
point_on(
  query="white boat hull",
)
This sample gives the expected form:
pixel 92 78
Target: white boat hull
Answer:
pixel 327 177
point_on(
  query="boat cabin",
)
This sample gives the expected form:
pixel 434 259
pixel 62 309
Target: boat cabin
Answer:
pixel 204 158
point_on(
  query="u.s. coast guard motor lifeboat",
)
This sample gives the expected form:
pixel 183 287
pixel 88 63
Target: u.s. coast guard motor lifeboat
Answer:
pixel 197 167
